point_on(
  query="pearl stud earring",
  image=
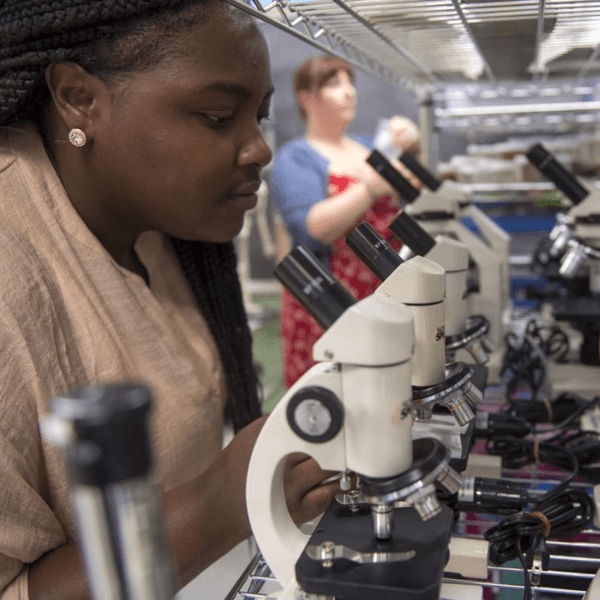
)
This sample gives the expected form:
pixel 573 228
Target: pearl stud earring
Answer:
pixel 77 137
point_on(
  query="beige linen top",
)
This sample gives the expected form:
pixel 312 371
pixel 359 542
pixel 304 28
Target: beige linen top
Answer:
pixel 70 315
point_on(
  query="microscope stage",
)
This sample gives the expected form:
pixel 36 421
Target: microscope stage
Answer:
pixel 418 578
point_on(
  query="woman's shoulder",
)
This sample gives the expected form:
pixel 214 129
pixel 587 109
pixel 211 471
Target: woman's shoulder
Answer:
pixel 297 147
pixel 299 156
pixel 24 283
pixel 364 140
pixel 20 265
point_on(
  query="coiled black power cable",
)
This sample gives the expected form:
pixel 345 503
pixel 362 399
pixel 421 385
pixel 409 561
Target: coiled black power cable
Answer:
pixel 551 338
pixel 563 511
pixel 525 365
pixel 525 357
pixel 566 407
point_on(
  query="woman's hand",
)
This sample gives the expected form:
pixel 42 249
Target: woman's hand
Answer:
pixel 306 495
pixel 302 478
pixel 376 185
pixel 405 134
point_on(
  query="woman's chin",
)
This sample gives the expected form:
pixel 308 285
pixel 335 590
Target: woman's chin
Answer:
pixel 346 117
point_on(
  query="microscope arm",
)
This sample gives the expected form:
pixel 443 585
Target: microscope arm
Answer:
pixel 496 237
pixel 280 540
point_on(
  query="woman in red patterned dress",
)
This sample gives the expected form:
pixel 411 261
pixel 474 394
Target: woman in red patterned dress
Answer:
pixel 323 188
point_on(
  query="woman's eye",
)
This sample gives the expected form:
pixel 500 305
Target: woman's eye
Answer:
pixel 218 119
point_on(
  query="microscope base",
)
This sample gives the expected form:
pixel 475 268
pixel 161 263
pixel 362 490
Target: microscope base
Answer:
pixel 456 591
pixel 418 578
pixel 583 380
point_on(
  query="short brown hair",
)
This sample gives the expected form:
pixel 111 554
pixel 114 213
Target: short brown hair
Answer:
pixel 313 73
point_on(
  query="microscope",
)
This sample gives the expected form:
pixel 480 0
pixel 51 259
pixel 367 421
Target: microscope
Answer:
pixel 574 243
pixel 441 209
pixel 353 413
pixel 467 336
pixel 103 432
pixel 445 396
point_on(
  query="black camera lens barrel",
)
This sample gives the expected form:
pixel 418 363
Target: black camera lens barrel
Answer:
pixel 110 422
pixel 373 250
pixel 314 286
pixel 407 230
pixel 424 175
pixel 547 164
pixel 383 166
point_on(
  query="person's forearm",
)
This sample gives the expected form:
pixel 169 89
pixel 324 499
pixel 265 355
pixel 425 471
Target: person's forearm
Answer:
pixel 58 575
pixel 336 216
pixel 204 519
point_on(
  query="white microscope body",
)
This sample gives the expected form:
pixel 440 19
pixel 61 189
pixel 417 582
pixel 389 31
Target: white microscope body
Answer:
pixel 462 332
pixel 491 304
pixel 425 291
pixel 582 247
pixel 352 412
pixel 575 240
pixel 366 357
pixel 585 217
pixel 420 291
pixel 441 212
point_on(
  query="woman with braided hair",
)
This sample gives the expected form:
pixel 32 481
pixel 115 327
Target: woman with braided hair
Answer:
pixel 130 149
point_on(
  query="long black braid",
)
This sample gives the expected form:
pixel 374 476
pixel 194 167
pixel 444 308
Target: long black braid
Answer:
pixel 110 38
pixel 211 270
pixel 35 33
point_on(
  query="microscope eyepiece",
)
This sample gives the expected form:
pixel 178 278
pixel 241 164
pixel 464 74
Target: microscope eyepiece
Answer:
pixel 373 250
pixel 407 230
pixel 425 176
pixel 313 285
pixel 381 164
pixel 556 173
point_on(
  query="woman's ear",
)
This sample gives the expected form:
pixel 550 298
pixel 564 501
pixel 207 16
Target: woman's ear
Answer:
pixel 75 94
pixel 305 100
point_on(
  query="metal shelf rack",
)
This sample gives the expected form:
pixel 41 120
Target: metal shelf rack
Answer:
pixel 513 65
pixel 431 42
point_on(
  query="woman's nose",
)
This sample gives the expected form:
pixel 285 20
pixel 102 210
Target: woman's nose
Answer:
pixel 256 151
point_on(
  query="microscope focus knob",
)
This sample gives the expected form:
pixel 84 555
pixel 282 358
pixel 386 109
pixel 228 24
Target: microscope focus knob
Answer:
pixel 315 414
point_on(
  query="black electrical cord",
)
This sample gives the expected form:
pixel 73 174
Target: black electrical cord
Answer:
pixel 492 425
pixel 585 445
pixel 507 438
pixel 520 452
pixel 522 417
pixel 524 363
pixel 525 357
pixel 551 338
pixel 563 511
pixel 524 534
pixel 565 407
